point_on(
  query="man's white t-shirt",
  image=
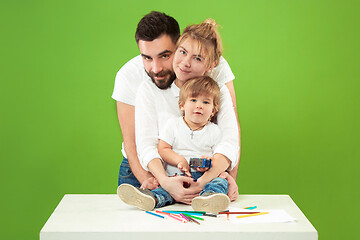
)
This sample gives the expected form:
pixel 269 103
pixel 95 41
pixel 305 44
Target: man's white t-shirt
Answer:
pixel 130 76
pixel 188 143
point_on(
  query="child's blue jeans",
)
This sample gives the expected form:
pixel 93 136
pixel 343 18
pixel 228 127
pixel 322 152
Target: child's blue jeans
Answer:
pixel 217 185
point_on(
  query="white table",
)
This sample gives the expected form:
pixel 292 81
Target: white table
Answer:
pixel 106 217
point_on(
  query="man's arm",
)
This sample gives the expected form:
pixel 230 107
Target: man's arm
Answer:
pixel 126 116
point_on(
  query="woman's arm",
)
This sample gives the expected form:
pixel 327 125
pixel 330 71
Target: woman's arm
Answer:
pixel 224 74
pixel 230 86
pixel 227 122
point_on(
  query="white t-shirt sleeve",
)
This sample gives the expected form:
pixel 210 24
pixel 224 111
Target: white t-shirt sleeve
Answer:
pixel 222 72
pixel 226 120
pixel 167 132
pixel 146 125
pixel 127 81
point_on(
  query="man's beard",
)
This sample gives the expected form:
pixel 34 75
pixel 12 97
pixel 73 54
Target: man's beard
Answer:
pixel 163 83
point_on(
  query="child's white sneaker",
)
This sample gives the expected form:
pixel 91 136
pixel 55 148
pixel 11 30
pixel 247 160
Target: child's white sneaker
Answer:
pixel 137 197
pixel 211 202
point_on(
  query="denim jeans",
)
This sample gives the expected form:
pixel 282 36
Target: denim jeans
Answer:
pixel 217 185
pixel 126 175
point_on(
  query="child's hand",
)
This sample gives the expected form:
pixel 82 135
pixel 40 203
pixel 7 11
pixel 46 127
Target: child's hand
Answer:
pixel 199 169
pixel 150 183
pixel 202 169
pixel 184 166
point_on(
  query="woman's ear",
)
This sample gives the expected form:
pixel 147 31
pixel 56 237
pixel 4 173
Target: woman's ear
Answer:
pixel 212 67
pixel 215 63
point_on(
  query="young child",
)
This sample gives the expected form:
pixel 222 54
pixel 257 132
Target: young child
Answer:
pixel 192 135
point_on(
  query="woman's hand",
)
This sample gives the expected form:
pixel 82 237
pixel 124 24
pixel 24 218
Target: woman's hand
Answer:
pixel 233 192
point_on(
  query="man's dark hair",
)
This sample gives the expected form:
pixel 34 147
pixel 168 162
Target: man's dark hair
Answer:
pixel 155 24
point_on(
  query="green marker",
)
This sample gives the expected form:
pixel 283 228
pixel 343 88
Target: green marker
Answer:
pixel 188 215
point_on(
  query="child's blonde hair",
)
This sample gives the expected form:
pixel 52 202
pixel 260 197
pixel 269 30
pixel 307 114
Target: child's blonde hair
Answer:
pixel 203 85
pixel 208 39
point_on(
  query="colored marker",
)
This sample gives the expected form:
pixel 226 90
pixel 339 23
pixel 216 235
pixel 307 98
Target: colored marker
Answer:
pixel 171 215
pixel 224 211
pixel 192 219
pixel 210 214
pixel 185 217
pixel 189 215
pixel 251 215
pixel 251 208
pixel 162 212
pixel 188 212
pixel 238 212
pixel 155 214
pixel 184 211
pixel 177 218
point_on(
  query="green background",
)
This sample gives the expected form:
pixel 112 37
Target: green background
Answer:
pixel 297 84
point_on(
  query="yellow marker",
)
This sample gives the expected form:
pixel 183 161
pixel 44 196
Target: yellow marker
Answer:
pixel 250 215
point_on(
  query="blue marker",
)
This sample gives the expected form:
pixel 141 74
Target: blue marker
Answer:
pixel 154 214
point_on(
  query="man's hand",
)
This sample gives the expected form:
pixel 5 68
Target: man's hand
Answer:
pixel 150 183
pixel 174 186
pixel 233 192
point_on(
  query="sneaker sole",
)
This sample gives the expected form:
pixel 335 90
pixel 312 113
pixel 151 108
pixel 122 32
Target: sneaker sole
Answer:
pixel 132 196
pixel 214 203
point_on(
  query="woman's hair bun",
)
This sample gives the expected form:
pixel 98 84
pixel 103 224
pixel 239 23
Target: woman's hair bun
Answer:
pixel 210 21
